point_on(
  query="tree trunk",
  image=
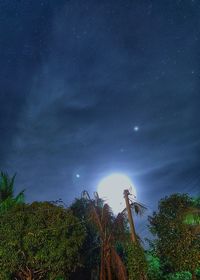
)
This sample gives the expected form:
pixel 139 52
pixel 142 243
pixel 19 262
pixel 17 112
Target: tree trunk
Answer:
pixel 108 264
pixel 102 270
pixel 109 271
pixel 26 274
pixel 130 217
pixel 194 275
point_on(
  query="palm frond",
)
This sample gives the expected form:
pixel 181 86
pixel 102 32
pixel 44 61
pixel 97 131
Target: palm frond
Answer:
pixel 96 219
pixel 7 199
pixel 12 181
pixel 4 179
pixel 20 198
pixel 85 195
pixel 99 202
pixel 6 186
pixel 6 204
pixel 138 208
pixel 107 216
pixel 120 227
pixel 120 220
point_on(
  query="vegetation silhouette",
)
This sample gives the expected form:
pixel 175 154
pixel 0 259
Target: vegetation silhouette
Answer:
pixel 85 240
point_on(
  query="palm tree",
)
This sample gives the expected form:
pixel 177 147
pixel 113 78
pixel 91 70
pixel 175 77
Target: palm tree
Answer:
pixel 107 225
pixel 132 205
pixel 7 198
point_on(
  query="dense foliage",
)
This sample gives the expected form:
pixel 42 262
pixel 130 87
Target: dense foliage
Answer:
pixel 40 239
pixel 136 261
pixel 178 245
pixel 154 269
pixel 90 250
pixel 47 241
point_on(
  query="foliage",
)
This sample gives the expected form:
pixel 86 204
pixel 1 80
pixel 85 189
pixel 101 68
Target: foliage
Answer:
pixel 192 215
pixel 137 207
pixel 177 245
pixel 90 250
pixel 136 261
pixel 154 271
pixel 7 199
pixel 40 239
pixel 109 234
pixel 44 240
pixel 184 275
pixel 198 274
pixel 111 263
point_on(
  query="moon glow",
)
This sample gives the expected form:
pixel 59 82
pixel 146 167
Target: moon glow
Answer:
pixel 111 190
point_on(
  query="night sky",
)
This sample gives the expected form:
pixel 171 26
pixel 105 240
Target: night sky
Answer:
pixel 88 88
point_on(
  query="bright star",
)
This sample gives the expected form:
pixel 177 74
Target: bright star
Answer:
pixel 136 128
pixel 77 175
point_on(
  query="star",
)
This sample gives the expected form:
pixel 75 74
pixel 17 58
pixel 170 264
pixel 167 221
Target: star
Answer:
pixel 77 176
pixel 136 128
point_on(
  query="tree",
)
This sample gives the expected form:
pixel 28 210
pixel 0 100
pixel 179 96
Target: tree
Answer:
pixel 90 250
pixel 110 229
pixel 39 241
pixel 177 245
pixel 7 199
pixel 136 261
pixel 133 206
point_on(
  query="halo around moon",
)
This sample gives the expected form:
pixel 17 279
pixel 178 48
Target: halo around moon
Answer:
pixel 111 189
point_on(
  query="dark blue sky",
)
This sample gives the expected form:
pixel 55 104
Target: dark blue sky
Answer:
pixel 76 77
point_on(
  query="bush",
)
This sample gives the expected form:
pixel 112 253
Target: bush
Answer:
pixel 136 261
pixel 154 271
pixel 185 275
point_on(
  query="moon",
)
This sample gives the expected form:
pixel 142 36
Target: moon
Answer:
pixel 111 189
